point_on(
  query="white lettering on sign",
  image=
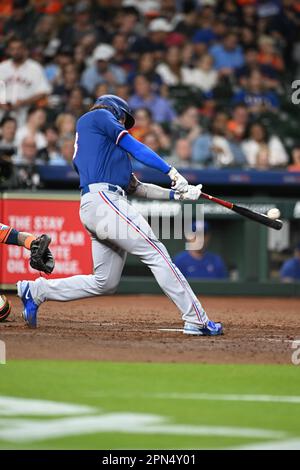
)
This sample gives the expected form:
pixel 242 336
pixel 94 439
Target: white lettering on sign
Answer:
pixel 16 266
pixel 14 252
pixel 63 243
pixel 48 223
pixel 21 223
pixel 71 238
pixel 61 252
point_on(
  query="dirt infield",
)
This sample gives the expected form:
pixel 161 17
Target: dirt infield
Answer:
pixel 127 328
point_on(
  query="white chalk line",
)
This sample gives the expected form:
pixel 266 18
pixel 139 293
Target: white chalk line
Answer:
pixel 17 429
pixel 180 330
pixel 287 444
pixel 207 397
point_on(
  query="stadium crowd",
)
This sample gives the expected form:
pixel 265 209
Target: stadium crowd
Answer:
pixel 209 81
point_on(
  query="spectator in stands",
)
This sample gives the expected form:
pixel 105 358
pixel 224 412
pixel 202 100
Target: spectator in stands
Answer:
pixel 152 142
pixel 234 140
pixel 65 124
pixel 212 148
pixel 50 153
pixel 8 128
pixel 144 97
pixel 34 126
pixel 26 174
pixel 270 75
pixel 146 66
pixel 182 155
pixel 121 57
pixel 187 124
pixel 66 146
pixel 155 40
pixel 227 55
pixel 62 58
pixel 46 31
pixel 206 33
pixel 69 80
pixel 187 21
pixel 28 151
pixel 170 70
pixel 81 26
pixel 145 125
pixel 257 98
pixel 268 54
pixel 122 91
pixel 204 76
pixel 25 81
pixel 21 23
pixel 290 271
pixel 295 166
pixel 102 70
pixel 247 40
pixel 239 119
pixel 101 89
pixel 79 58
pixel 75 104
pixel 127 21
pixel 262 150
pixel 196 262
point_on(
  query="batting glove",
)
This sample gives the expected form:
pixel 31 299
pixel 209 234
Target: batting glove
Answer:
pixel 179 183
pixel 192 193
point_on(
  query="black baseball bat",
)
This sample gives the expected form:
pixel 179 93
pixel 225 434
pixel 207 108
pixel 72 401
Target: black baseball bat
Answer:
pixel 253 215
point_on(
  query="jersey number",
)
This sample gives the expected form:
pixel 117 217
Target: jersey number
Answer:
pixel 75 145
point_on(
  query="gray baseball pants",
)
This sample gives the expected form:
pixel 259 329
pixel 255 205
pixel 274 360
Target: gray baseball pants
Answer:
pixel 117 228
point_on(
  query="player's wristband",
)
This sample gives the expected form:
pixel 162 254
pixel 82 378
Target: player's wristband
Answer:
pixel 172 194
pixel 28 241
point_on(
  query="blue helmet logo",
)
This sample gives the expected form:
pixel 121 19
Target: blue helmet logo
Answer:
pixel 118 107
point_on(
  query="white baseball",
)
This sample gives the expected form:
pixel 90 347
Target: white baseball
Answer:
pixel 273 213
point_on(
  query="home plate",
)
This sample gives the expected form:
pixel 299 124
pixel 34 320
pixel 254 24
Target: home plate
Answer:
pixel 171 329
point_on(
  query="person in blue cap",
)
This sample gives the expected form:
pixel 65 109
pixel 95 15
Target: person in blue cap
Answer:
pixel 197 262
pixel 290 270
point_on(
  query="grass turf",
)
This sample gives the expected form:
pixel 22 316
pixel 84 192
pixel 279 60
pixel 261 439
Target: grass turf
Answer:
pixel 117 388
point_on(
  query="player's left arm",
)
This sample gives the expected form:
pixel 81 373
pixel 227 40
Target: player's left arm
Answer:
pixel 107 123
pixel 148 157
pixel 153 191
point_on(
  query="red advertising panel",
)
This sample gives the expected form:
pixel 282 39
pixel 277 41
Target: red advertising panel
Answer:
pixel 59 219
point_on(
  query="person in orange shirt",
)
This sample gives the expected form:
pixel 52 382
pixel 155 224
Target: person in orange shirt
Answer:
pixel 295 165
pixel 144 126
pixel 268 55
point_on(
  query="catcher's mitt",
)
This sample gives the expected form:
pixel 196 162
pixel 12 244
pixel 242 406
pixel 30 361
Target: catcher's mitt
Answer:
pixel 41 257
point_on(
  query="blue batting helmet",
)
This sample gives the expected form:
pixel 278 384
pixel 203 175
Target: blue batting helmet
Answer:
pixel 118 107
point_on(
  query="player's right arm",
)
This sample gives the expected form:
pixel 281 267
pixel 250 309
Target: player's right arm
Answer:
pixel 153 191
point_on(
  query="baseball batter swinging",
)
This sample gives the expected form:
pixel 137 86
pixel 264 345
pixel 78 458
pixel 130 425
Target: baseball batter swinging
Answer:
pixel 101 158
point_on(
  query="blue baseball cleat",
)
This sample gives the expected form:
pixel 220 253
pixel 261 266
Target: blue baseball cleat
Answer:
pixel 210 329
pixel 30 307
